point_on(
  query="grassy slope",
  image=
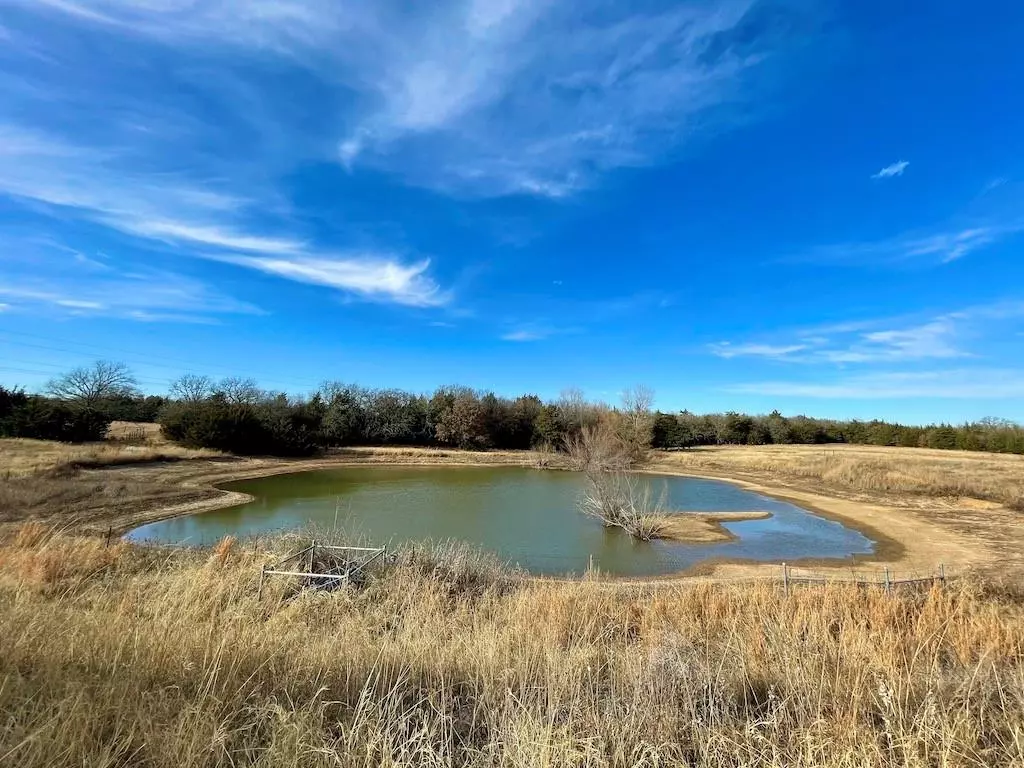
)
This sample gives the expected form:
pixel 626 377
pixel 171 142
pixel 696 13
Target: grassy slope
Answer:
pixel 120 656
pixel 889 474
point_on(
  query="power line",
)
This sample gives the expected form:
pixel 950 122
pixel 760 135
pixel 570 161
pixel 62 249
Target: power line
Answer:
pixel 134 358
pixel 56 370
pixel 87 345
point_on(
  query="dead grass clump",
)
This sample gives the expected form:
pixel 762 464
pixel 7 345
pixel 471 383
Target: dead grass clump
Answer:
pixel 48 560
pixel 224 549
pixel 31 534
pixel 545 456
pixel 462 571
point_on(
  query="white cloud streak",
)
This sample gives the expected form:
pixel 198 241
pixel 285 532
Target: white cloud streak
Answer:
pixel 890 340
pixel 487 96
pixel 55 173
pixel 375 277
pixel 961 383
pixel 729 350
pixel 146 296
pixel 896 169
pixel 942 247
pixel 178 138
pixel 524 335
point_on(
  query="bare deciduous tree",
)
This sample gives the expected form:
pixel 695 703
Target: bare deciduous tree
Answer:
pixel 625 501
pixel 192 388
pixel 637 423
pixel 89 385
pixel 573 407
pixel 597 448
pixel 240 391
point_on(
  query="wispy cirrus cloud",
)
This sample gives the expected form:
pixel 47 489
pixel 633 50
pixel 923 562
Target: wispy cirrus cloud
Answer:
pixel 523 335
pixel 939 246
pixel 377 277
pixel 146 297
pixel 727 350
pixel 885 340
pixel 889 171
pixel 178 212
pixel 174 139
pixel 956 383
pixel 187 156
pixel 528 96
pixel 480 96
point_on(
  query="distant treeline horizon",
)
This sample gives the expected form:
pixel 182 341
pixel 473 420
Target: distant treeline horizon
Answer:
pixel 235 414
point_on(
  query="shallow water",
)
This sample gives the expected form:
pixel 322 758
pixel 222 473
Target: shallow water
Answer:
pixel 526 516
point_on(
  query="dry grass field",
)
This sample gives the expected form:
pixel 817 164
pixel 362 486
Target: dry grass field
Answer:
pixel 22 457
pixel 124 656
pixel 119 655
pixel 894 474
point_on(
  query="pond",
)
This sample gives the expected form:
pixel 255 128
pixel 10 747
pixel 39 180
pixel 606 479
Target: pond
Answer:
pixel 525 516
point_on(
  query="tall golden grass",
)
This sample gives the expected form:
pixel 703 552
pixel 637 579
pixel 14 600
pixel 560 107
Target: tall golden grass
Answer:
pixel 118 656
pixel 885 471
pixel 21 457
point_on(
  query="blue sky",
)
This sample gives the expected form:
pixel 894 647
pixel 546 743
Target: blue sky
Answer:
pixel 815 207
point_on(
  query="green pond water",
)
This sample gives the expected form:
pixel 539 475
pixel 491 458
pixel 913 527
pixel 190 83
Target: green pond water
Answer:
pixel 525 516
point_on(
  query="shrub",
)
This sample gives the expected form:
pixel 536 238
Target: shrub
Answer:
pixel 277 427
pixel 41 418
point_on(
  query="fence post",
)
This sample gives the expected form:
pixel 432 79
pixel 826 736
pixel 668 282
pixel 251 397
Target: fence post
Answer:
pixel 942 573
pixel 312 555
pixel 888 585
pixel 263 576
pixel 785 579
pixel 110 533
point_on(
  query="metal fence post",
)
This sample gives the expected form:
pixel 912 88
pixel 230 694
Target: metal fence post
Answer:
pixel 785 579
pixel 888 585
pixel 263 576
pixel 942 573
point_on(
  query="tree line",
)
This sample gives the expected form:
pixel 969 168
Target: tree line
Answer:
pixel 685 430
pixel 237 415
pixel 78 406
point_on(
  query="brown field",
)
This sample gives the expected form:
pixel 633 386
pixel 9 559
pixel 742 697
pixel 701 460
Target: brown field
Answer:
pixel 887 473
pixel 21 457
pixel 119 655
pixel 126 656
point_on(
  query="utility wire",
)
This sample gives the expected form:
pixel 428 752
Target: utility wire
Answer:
pixel 132 358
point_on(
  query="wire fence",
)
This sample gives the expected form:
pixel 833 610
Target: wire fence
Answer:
pixel 325 566
pixel 886 579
